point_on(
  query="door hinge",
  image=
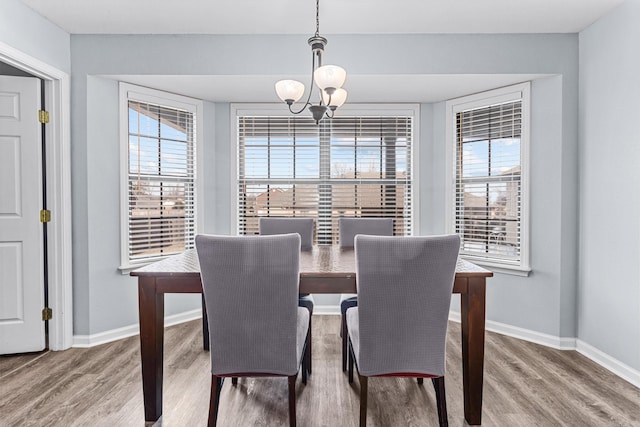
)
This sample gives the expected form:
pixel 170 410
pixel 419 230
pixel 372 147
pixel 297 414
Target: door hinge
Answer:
pixel 43 116
pixel 45 215
pixel 47 313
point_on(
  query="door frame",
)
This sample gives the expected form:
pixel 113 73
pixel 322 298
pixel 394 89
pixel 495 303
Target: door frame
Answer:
pixel 58 160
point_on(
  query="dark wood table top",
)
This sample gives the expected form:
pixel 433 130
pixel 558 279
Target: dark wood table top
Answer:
pixel 321 261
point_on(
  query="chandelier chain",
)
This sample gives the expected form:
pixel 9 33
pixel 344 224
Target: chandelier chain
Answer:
pixel 317 18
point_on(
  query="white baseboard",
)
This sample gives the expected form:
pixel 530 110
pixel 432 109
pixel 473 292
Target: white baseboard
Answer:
pixel 615 366
pixel 85 341
pixel 622 370
pixel 323 310
pixel 547 340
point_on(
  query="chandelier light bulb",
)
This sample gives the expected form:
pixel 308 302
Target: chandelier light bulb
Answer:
pixel 337 98
pixel 329 77
pixel 289 90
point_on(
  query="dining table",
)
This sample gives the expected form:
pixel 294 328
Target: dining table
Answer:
pixel 323 270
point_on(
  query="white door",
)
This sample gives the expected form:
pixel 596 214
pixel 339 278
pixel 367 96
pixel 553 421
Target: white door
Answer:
pixel 21 253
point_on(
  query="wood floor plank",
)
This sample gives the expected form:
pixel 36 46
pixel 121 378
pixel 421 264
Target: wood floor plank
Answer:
pixel 9 363
pixel 525 385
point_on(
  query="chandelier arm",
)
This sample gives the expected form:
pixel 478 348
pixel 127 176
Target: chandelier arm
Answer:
pixel 306 104
pixel 299 111
pixel 330 116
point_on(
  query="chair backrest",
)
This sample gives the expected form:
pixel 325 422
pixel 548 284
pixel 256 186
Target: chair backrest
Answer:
pixel 349 227
pixel 250 286
pixel 404 291
pixel 302 226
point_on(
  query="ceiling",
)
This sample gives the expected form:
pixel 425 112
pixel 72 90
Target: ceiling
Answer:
pixel 336 17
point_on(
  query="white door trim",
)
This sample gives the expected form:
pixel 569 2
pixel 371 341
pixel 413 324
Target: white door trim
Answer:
pixel 58 158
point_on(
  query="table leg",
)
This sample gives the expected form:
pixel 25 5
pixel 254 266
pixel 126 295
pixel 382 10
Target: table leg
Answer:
pixel 151 308
pixel 473 323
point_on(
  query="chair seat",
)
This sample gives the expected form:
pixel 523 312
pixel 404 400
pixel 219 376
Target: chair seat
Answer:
pixel 306 301
pixel 346 301
pixel 353 328
pixel 301 333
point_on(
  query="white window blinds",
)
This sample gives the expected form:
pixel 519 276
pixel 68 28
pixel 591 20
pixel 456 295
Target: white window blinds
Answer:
pixel 347 166
pixel 488 184
pixel 161 180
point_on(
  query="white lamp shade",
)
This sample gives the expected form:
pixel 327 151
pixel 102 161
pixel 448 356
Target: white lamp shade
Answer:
pixel 289 90
pixel 329 76
pixel 337 99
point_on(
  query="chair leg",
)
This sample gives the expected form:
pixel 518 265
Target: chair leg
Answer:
pixel 364 381
pixel 205 326
pixel 345 350
pixel 351 359
pixel 308 355
pixel 441 401
pixel 292 400
pixel 309 344
pixel 305 368
pixel 214 402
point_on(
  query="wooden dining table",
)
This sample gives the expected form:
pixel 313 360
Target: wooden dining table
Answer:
pixel 323 270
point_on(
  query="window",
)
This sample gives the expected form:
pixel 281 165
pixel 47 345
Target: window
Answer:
pixel 159 183
pixel 489 193
pixel 356 166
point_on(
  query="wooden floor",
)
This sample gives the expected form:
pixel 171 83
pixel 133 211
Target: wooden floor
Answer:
pixel 525 385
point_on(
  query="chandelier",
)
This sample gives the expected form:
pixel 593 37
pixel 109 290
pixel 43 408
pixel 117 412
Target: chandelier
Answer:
pixel 328 78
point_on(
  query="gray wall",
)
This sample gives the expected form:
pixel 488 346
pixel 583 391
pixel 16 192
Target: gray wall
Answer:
pixel 534 302
pixel 543 302
pixel 104 299
pixel 30 33
pixel 609 278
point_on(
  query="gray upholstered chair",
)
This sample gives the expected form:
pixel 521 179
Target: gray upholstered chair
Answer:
pixel 270 226
pixel 399 327
pixel 347 229
pixel 304 227
pixel 256 328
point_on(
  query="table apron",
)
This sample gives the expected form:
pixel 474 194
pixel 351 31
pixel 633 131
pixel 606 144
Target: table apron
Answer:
pixel 324 285
pixel 308 285
pixel 177 284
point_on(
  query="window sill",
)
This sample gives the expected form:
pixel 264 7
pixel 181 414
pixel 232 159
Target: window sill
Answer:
pixel 514 270
pixel 128 268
